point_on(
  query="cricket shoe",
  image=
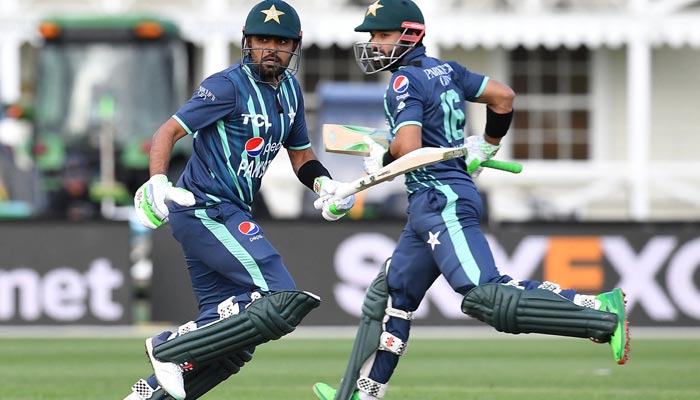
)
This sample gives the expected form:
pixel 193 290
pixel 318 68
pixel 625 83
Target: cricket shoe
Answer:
pixel 326 392
pixel 614 302
pixel 169 375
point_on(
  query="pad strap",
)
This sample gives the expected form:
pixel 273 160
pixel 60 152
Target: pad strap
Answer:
pixel 395 312
pixel 371 387
pixel 389 342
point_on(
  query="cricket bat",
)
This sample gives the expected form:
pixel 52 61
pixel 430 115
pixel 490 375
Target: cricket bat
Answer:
pixel 349 139
pixel 409 162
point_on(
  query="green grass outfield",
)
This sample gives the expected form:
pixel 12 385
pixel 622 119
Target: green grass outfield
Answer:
pixel 498 368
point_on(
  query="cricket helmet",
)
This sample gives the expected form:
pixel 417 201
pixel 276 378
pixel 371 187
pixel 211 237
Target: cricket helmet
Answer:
pixel 389 15
pixel 273 18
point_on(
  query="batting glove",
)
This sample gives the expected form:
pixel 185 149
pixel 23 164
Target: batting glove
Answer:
pixel 150 198
pixel 374 161
pixel 479 151
pixel 332 208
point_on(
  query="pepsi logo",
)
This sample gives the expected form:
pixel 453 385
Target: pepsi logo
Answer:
pixel 400 84
pixel 254 146
pixel 248 228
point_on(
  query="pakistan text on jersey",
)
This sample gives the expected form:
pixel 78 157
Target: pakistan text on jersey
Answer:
pixel 252 169
pixel 434 72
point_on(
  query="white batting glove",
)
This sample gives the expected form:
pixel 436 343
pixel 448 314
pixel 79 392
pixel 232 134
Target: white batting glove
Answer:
pixel 332 209
pixel 374 161
pixel 479 151
pixel 150 198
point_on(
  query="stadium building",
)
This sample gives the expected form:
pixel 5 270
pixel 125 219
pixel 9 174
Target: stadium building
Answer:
pixel 606 111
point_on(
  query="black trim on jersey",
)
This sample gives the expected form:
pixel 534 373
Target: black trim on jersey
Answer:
pixel 497 124
pixel 311 170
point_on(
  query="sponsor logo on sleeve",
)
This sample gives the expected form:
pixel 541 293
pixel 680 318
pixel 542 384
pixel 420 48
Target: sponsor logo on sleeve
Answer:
pixel 400 84
pixel 205 94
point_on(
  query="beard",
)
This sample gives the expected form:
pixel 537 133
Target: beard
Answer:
pixel 270 68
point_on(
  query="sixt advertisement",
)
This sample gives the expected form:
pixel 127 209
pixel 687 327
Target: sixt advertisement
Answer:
pixel 657 265
pixel 64 273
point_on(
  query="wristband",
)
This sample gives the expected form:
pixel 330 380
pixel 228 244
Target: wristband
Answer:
pixel 387 158
pixel 311 170
pixel 497 124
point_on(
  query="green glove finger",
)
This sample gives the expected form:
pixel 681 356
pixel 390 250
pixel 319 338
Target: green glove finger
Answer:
pixel 334 210
pixel 473 165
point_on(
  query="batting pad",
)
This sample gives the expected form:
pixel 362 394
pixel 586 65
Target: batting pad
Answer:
pixel 513 310
pixel 268 318
pixel 204 380
pixel 200 381
pixel 368 334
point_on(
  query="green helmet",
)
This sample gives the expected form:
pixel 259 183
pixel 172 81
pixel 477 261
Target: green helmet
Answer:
pixel 273 18
pixel 390 15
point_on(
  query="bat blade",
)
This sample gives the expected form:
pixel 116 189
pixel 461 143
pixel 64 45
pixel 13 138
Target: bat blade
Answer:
pixel 349 139
pixel 409 162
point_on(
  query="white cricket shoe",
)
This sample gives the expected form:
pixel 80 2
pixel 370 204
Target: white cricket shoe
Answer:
pixel 169 375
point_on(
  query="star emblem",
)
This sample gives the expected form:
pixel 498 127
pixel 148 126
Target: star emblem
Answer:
pixel 372 9
pixel 433 240
pixel 272 14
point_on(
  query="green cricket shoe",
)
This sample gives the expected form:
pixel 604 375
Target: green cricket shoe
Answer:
pixel 614 302
pixel 326 392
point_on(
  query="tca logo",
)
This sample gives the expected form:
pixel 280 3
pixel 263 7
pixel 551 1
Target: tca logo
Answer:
pixel 256 119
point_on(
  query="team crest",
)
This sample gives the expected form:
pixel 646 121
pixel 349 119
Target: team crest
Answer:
pixel 248 228
pixel 254 146
pixel 400 84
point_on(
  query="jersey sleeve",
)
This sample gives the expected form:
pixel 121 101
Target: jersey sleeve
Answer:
pixel 298 138
pixel 472 84
pixel 212 100
pixel 404 99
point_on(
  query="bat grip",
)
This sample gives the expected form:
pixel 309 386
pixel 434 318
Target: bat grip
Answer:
pixel 507 166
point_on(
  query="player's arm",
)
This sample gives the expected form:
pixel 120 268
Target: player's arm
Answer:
pixel 498 98
pixel 162 146
pixel 316 177
pixel 150 198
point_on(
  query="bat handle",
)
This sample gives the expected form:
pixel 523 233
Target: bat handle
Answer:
pixel 507 166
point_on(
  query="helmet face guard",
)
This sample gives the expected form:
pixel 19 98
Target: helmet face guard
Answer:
pixel 371 60
pixel 280 72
